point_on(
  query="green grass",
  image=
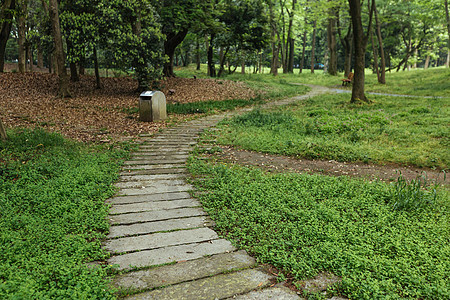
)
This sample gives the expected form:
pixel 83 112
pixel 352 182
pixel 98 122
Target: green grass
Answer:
pixel 53 216
pixel 419 82
pixel 308 224
pixel 205 107
pixel 408 131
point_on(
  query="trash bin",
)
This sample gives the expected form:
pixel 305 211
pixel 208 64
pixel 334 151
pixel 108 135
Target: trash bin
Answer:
pixel 152 106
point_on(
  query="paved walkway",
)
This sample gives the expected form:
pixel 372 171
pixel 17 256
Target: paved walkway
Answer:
pixel 161 238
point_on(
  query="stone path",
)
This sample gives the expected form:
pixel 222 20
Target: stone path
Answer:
pixel 161 238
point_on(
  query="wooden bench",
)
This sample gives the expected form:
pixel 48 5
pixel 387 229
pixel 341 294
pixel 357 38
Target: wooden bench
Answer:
pixel 348 80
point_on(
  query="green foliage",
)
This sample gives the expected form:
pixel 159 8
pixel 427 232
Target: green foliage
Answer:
pixel 308 224
pixel 209 106
pixel 413 195
pixel 409 131
pixel 53 216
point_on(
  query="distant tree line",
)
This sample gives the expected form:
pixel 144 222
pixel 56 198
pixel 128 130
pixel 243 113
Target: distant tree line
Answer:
pixel 149 37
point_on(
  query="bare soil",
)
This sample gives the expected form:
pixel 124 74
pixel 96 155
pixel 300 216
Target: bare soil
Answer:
pixel 277 164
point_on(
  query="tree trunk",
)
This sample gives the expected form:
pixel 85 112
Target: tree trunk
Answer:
pixel 427 62
pixel 331 39
pixel 273 37
pixel 197 54
pixel 375 57
pixel 40 56
pixel 283 48
pixel 416 55
pixel 260 64
pixel 347 42
pixel 81 63
pixel 313 46
pixel 50 62
pixel 302 61
pixel 97 73
pixel 222 61
pixel 72 65
pixel 3 135
pixel 291 40
pixel 447 16
pixel 170 44
pixel 211 65
pixel 59 50
pixel 6 17
pixel 21 32
pixel 382 77
pixel 30 56
pixel 360 49
pixel 243 62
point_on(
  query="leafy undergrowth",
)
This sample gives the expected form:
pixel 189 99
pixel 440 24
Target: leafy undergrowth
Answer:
pixel 53 216
pixel 308 224
pixel 409 131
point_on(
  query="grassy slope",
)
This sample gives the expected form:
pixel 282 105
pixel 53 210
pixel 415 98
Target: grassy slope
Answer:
pixel 53 216
pixel 307 224
pixel 409 131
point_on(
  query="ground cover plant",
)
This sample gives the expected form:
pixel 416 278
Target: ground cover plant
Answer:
pixel 408 131
pixel 53 216
pixel 308 224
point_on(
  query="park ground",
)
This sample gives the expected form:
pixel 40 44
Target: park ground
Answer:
pixel 258 155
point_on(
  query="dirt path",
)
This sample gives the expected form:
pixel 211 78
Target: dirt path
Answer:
pixel 276 163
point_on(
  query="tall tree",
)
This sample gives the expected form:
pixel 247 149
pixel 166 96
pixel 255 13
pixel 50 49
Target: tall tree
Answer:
pixel 59 50
pixel 382 75
pixel 177 18
pixel 360 48
pixel 290 43
pixel 448 32
pixel 21 32
pixel 347 42
pixel 6 17
pixel 313 46
pixel 331 40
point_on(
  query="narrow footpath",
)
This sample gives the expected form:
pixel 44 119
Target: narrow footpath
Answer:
pixel 161 238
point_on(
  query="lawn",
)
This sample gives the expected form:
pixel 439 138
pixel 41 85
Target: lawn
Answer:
pixel 308 224
pixel 407 131
pixel 53 216
pixel 419 82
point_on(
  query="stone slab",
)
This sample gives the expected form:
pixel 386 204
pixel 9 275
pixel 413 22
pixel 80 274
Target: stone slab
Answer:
pixel 156 184
pixel 155 190
pixel 155 156
pixel 147 198
pixel 153 205
pixel 152 227
pixel 169 142
pixel 158 215
pixel 154 171
pixel 273 293
pixel 159 240
pixel 138 177
pixel 215 287
pixel 155 167
pixel 155 162
pixel 184 271
pixel 159 154
pixel 170 254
